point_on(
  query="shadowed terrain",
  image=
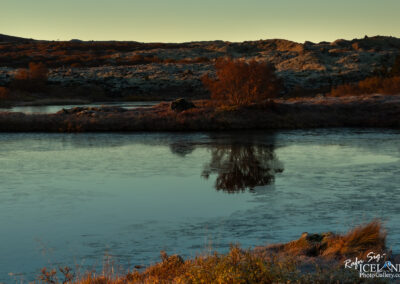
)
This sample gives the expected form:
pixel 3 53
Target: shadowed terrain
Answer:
pixel 134 70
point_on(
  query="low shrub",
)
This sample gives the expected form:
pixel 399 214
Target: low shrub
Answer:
pixel 242 83
pixel 372 85
pixel 32 79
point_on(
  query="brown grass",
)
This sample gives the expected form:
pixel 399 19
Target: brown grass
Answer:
pixel 356 243
pixel 373 85
pixel 271 265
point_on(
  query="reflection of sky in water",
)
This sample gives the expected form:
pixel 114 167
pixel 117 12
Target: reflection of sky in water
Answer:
pixel 56 108
pixel 71 199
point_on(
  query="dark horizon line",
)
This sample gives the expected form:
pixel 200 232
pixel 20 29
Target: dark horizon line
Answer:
pixel 18 38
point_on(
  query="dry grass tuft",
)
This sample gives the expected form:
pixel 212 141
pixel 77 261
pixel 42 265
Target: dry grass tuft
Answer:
pixel 358 242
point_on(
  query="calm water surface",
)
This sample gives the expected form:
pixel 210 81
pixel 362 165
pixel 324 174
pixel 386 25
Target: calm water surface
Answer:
pixel 56 108
pixel 83 199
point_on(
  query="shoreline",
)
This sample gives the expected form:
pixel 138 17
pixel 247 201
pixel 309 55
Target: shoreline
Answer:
pixel 72 102
pixel 377 111
pixel 312 258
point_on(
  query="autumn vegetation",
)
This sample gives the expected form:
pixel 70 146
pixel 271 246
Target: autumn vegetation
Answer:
pixel 372 85
pixel 25 82
pixel 386 81
pixel 32 79
pixel 31 85
pixel 357 242
pixel 242 95
pixel 235 82
pixel 242 83
pixel 313 258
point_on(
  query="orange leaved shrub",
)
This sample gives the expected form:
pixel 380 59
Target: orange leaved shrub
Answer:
pixel 242 83
pixel 32 79
pixel 372 85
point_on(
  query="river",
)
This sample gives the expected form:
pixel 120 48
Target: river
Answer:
pixel 89 199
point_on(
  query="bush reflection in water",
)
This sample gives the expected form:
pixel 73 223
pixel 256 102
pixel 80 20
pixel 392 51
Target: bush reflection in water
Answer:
pixel 240 164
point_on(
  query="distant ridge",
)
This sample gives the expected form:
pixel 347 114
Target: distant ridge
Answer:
pixel 7 38
pixel 275 43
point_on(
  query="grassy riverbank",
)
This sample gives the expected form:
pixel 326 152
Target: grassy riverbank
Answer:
pixel 357 111
pixel 313 258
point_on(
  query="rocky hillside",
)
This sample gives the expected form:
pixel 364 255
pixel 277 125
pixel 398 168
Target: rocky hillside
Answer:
pixel 172 70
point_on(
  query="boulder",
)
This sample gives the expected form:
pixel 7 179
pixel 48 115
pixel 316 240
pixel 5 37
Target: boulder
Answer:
pixel 181 105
